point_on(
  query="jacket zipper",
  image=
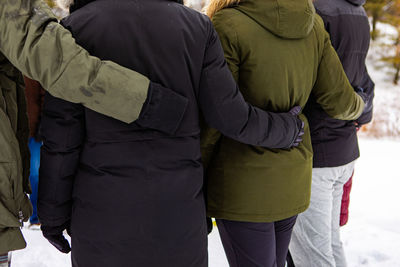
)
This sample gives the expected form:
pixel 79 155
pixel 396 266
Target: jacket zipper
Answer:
pixel 21 218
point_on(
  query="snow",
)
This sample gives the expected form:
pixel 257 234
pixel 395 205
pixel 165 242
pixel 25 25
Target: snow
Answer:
pixel 371 238
pixel 39 253
pixel 386 122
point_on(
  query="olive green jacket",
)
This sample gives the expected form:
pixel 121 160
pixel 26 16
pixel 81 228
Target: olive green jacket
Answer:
pixel 15 206
pixel 33 41
pixel 280 54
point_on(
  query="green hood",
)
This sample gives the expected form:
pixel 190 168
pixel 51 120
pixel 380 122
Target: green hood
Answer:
pixel 290 19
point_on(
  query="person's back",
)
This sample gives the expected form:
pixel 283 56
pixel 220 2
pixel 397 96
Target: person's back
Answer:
pixel 279 54
pixel 154 37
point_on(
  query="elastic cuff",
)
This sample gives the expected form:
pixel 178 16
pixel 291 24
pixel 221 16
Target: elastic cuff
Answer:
pixel 4 258
pixel 163 110
pixel 298 126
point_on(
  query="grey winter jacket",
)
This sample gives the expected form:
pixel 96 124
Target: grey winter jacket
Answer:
pixel 335 142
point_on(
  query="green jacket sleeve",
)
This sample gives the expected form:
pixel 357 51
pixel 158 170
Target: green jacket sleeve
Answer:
pixel 332 89
pixel 34 42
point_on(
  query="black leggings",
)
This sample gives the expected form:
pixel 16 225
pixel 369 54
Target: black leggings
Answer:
pixel 248 244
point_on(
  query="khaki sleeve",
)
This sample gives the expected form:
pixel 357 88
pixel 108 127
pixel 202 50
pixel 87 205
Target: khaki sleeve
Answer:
pixel 34 42
pixel 332 89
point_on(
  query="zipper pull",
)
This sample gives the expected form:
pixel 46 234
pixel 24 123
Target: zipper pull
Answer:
pixel 21 218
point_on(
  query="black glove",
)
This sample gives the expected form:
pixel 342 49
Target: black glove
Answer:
pixel 300 125
pixel 54 234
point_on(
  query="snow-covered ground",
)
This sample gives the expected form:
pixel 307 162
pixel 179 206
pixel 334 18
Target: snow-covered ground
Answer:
pixel 371 238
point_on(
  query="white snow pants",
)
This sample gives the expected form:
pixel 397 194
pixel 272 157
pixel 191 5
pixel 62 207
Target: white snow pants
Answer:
pixel 316 235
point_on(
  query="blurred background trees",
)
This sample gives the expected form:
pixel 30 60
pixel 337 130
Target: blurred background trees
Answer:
pixel 376 10
pixel 390 14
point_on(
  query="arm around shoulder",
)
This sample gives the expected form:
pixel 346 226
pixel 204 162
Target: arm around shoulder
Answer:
pixel 32 39
pixel 225 109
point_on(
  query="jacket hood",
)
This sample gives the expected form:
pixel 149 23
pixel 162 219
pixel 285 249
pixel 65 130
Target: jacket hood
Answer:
pixel 356 2
pixel 290 19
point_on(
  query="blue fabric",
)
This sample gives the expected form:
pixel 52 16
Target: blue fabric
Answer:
pixel 4 259
pixel 34 148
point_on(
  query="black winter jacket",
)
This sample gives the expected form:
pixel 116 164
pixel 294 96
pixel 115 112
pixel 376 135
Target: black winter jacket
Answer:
pixel 134 195
pixel 334 141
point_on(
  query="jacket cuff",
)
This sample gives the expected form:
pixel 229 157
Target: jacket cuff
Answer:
pixel 163 110
pixel 365 118
pixel 11 239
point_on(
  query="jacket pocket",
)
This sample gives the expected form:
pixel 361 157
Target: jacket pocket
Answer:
pixel 8 207
pixel 15 206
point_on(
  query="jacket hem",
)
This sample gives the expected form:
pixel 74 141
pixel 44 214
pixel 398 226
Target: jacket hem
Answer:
pixel 11 239
pixel 256 217
pixel 331 164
